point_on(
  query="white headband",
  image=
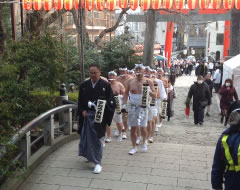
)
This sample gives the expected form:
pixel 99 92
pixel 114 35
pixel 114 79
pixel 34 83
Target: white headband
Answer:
pixel 112 73
pixel 139 66
pixel 123 69
pixel 131 71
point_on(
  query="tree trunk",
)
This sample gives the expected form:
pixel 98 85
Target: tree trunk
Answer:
pixel 234 33
pixel 149 38
pixel 3 31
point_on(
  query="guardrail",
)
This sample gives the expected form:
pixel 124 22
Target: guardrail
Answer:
pixel 48 126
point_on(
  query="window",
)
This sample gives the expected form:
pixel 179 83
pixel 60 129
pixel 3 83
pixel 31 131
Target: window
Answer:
pixel 219 40
pixel 69 19
pixel 96 14
pixel 89 14
pixel 137 26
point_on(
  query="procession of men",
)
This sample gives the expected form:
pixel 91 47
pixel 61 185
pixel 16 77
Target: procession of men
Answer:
pixel 135 100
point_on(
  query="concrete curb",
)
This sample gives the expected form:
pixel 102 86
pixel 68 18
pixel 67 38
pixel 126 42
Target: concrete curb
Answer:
pixel 15 182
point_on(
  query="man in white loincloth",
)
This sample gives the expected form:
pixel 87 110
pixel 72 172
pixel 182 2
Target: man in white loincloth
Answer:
pixel 137 116
pixel 118 90
pixel 123 78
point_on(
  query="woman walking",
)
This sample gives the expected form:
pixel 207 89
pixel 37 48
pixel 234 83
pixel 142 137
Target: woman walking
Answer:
pixel 227 92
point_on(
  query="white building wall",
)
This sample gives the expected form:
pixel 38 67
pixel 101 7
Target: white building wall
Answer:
pixel 213 48
pixel 161 31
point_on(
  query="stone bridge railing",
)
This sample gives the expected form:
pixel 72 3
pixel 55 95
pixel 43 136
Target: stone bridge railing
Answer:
pixel 40 137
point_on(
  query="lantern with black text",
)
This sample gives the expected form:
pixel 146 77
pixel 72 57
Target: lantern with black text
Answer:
pixel 100 5
pixel 167 4
pixel 122 4
pixel 178 4
pixel 203 4
pixel 27 4
pixel 111 4
pixel 133 4
pixel 228 4
pixel 77 4
pixel 156 4
pixel 145 4
pixel 192 4
pixel 58 4
pixel 48 4
pixel 89 4
pixel 237 4
pixel 216 4
pixel 37 5
pixel 68 4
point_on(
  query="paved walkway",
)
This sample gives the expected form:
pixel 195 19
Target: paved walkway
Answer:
pixel 179 159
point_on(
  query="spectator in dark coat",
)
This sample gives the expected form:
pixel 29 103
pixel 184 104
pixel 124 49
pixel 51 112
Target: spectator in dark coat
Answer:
pixel 210 85
pixel 201 98
pixel 223 170
pixel 227 92
pixel 201 69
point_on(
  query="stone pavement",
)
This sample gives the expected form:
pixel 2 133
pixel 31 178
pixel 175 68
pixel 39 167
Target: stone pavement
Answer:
pixel 179 159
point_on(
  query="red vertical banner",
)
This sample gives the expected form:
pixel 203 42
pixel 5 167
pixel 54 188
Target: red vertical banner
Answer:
pixel 228 4
pixel 77 4
pixel 167 4
pixel 226 43
pixel 100 5
pixel 37 5
pixel 237 4
pixel 122 4
pixel 178 4
pixel 216 4
pixel 156 4
pixel 145 4
pixel 27 4
pixel 58 4
pixel 89 4
pixel 168 42
pixel 133 4
pixel 192 4
pixel 111 4
pixel 48 4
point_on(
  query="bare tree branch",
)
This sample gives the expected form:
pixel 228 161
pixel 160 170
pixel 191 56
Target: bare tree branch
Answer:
pixel 53 17
pixel 107 30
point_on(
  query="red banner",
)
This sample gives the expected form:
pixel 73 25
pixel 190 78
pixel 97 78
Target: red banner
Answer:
pixel 167 4
pixel 77 4
pixel 145 4
pixel 37 5
pixel 168 42
pixel 178 4
pixel 228 4
pixel 27 4
pixel 226 43
pixel 122 4
pixel 89 4
pixel 156 4
pixel 203 4
pixel 48 5
pixel 192 4
pixel 100 5
pixel 216 4
pixel 133 4
pixel 111 5
pixel 58 4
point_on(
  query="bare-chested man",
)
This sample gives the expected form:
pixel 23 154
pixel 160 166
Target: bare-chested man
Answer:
pixel 123 78
pixel 163 95
pixel 118 89
pixel 137 116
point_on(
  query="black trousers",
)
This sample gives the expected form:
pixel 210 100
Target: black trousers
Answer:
pixel 198 115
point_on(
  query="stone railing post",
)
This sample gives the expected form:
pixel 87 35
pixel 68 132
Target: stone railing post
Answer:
pixel 25 145
pixel 49 129
pixel 68 122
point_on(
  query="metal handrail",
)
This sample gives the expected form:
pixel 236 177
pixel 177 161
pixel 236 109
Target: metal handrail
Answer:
pixel 34 123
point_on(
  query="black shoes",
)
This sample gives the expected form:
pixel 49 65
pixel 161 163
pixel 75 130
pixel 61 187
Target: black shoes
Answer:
pixel 207 114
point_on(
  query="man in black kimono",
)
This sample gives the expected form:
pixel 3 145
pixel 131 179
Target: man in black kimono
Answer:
pixel 92 133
